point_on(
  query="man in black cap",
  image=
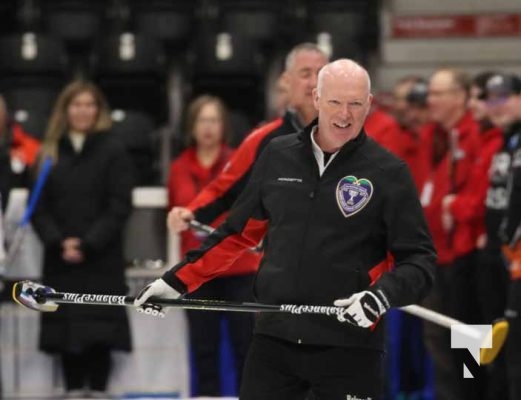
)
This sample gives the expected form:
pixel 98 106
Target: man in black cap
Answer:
pixel 411 111
pixel 503 206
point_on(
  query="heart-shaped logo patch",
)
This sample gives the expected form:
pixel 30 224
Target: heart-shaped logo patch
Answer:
pixel 353 194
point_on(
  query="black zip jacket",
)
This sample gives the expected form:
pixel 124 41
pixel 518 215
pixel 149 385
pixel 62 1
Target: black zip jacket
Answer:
pixel 509 231
pixel 219 196
pixel 327 237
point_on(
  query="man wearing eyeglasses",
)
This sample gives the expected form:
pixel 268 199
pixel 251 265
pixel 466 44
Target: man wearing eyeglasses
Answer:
pixel 503 206
pixel 450 150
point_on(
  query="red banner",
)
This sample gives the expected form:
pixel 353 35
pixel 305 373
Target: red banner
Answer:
pixel 456 26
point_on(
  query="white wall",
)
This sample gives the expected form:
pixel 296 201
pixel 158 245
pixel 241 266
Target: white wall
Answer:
pixel 444 7
pixel 402 56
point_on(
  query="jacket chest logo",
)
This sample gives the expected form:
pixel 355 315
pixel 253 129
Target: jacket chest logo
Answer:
pixel 353 194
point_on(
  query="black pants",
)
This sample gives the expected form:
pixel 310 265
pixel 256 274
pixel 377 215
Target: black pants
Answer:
pixel 90 367
pixel 492 282
pixel 279 370
pixel 513 343
pixel 205 328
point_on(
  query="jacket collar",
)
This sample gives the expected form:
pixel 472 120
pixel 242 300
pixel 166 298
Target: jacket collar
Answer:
pixel 191 157
pixel 348 147
pixel 292 121
pixel 90 140
pixel 465 125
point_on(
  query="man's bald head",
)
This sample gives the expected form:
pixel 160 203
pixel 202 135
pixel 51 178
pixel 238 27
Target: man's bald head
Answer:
pixel 343 99
pixel 346 69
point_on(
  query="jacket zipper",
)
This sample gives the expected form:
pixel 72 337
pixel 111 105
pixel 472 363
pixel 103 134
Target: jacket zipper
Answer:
pixel 312 195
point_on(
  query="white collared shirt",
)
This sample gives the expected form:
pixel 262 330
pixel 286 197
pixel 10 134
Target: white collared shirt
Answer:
pixel 77 141
pixel 319 153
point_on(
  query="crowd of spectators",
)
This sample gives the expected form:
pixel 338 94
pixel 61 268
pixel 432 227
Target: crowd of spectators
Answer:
pixel 459 135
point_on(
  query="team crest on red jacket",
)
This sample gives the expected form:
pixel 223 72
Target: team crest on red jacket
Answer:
pixel 353 194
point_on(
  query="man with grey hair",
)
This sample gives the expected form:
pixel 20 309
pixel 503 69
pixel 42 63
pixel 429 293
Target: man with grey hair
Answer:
pixel 450 155
pixel 299 78
pixel 333 204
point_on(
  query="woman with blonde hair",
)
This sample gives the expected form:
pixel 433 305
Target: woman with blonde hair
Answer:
pixel 79 218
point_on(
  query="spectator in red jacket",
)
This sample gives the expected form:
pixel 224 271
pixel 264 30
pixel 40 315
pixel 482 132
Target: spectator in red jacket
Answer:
pixel 471 205
pixel 398 133
pixel 406 353
pixel 410 103
pixel 206 156
pixel 18 151
pixel 411 111
pixel 302 64
pixel 384 129
pixel 451 149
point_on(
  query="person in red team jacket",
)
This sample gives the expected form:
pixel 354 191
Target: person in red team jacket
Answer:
pixel 384 129
pixel 399 133
pixel 451 150
pixel 406 353
pixel 411 112
pixel 299 78
pixel 207 154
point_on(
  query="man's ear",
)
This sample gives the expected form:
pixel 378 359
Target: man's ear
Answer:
pixel 315 98
pixel 369 104
pixel 284 79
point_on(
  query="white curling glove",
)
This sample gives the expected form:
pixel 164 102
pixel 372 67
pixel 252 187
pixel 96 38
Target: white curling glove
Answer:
pixel 362 309
pixel 158 288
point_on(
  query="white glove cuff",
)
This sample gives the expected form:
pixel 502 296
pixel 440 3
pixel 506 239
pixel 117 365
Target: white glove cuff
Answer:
pixel 381 299
pixel 166 291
